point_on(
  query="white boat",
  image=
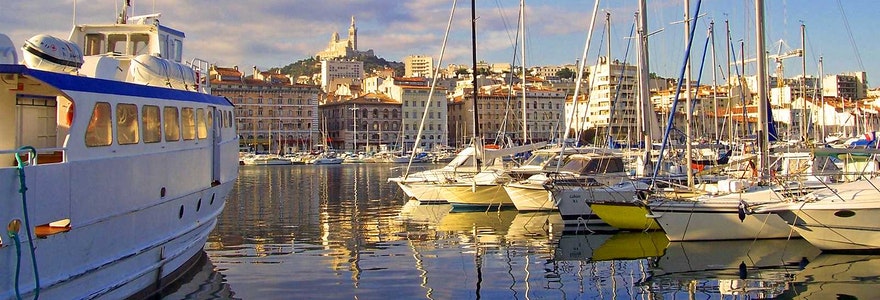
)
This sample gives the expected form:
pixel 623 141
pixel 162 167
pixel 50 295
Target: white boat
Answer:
pixel 327 159
pixel 527 188
pixel 841 218
pixel 265 160
pixel 460 183
pixel 722 216
pixel 586 178
pixel 111 187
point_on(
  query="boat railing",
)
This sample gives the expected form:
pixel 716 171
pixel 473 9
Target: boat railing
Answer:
pixel 203 76
pixel 33 160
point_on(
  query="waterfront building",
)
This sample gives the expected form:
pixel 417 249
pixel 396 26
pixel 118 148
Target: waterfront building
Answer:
pixel 269 108
pixel 418 66
pixel 377 117
pixel 500 114
pixel 413 93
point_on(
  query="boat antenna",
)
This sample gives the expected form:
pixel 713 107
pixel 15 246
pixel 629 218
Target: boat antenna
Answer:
pixel 123 16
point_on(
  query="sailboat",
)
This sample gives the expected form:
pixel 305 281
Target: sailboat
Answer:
pixel 475 176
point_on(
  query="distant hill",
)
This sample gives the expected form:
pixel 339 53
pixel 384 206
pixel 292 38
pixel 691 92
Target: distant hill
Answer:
pixel 309 66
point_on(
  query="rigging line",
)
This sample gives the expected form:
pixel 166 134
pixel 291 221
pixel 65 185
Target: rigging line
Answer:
pixel 677 94
pixel 619 81
pixel 505 23
pixel 433 87
pixel 849 33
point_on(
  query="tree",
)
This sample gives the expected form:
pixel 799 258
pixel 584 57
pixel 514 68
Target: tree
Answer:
pixel 565 74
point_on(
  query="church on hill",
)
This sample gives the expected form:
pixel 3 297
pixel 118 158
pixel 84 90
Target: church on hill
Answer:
pixel 342 49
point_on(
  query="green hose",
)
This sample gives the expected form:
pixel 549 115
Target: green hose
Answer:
pixel 27 224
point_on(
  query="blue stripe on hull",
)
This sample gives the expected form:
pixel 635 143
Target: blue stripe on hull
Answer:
pixel 69 82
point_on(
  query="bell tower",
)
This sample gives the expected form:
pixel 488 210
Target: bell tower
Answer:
pixel 353 35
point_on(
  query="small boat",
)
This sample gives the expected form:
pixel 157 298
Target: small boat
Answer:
pixel 266 160
pixel 126 181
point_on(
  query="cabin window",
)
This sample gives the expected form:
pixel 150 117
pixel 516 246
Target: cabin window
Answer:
pixel 210 120
pixel 116 43
pixel 187 119
pixel 172 124
pixel 152 124
pixel 141 43
pixel 99 131
pixel 127 124
pixel 202 128
pixel 94 44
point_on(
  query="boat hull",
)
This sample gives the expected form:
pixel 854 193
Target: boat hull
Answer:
pixel 115 256
pixel 530 197
pixel 831 230
pixel 626 215
pixel 684 220
pixel 457 194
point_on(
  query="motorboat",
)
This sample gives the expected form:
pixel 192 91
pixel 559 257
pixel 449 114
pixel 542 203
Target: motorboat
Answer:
pixel 126 174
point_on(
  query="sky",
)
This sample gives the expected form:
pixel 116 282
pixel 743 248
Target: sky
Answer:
pixel 274 33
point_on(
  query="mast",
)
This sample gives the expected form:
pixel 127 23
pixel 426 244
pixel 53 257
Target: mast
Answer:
pixel 645 109
pixel 714 81
pixel 477 142
pixel 729 87
pixel 522 28
pixel 822 96
pixel 687 82
pixel 804 127
pixel 763 134
pixel 610 76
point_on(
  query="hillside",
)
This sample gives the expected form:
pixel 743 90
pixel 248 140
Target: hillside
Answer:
pixel 309 66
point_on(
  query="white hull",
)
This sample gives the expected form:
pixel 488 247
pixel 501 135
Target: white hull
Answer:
pixel 458 194
pixel 845 220
pixel 716 219
pixel 530 197
pixel 134 207
pixel 573 202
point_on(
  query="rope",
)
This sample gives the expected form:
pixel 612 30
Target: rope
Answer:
pixel 27 224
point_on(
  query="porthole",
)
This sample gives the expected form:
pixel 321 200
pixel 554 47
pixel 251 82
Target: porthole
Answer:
pixel 162 192
pixel 844 213
pixel 180 213
pixel 212 199
pixel 199 205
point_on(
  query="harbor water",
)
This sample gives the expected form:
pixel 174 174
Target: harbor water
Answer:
pixel 344 232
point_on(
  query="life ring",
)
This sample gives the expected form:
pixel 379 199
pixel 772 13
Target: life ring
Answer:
pixel 69 114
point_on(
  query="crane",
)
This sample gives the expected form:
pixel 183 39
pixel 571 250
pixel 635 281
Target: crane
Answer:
pixel 778 58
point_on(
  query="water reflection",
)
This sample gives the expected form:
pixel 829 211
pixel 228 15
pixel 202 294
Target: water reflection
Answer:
pixel 750 268
pixel 342 231
pixel 838 276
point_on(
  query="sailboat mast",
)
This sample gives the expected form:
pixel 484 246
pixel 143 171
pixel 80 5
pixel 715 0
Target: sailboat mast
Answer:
pixel 644 107
pixel 714 81
pixel 730 123
pixel 805 127
pixel 687 82
pixel 763 104
pixel 522 29
pixel 476 117
pixel 610 76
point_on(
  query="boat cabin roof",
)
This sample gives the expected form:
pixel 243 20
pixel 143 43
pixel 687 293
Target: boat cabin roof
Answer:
pixel 141 35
